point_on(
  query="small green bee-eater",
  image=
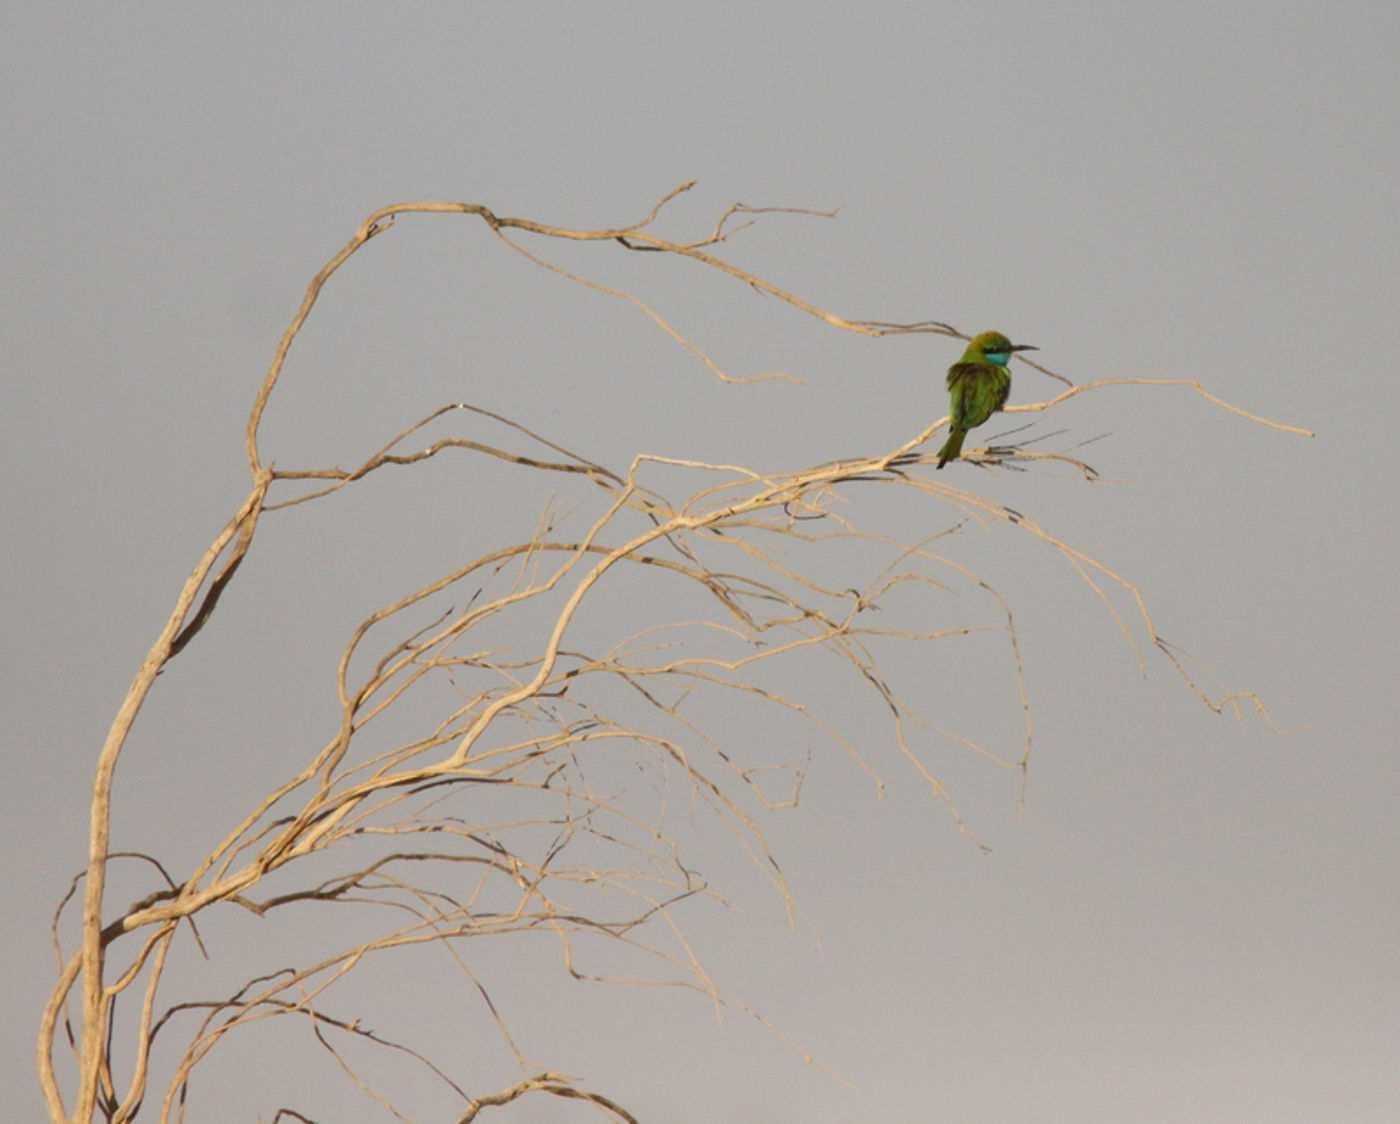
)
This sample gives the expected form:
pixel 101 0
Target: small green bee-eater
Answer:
pixel 978 384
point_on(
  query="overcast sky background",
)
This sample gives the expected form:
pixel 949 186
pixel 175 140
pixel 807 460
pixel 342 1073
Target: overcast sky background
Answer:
pixel 1196 919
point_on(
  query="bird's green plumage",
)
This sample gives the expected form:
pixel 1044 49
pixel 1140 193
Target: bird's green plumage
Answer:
pixel 978 385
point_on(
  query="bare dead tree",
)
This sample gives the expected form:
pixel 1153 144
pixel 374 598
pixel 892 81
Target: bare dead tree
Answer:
pixel 556 844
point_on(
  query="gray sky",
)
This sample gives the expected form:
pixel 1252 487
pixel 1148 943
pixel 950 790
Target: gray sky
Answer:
pixel 1196 918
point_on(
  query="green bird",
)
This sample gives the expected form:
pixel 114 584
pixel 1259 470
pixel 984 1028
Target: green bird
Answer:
pixel 978 384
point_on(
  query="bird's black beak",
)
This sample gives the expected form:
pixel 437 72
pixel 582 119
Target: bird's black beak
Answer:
pixel 1024 347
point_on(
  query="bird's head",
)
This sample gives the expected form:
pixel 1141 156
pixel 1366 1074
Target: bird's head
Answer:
pixel 995 347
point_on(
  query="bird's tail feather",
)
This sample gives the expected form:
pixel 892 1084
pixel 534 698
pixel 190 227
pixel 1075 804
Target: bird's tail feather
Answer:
pixel 952 448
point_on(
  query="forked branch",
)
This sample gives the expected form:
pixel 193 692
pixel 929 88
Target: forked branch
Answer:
pixel 555 785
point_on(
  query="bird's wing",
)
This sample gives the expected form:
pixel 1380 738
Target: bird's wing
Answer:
pixel 963 384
